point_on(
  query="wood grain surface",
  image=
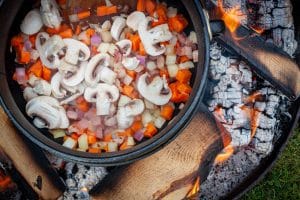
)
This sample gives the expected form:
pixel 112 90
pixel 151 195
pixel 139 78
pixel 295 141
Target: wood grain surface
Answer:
pixel 171 172
pixel 25 161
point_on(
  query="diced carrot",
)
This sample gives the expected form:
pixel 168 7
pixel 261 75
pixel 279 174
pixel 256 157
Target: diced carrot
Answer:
pixel 167 112
pixel 135 39
pixel 66 33
pixel 183 59
pixel 90 32
pixel 78 30
pixel 107 138
pixel 61 2
pixel 124 145
pixel 84 14
pixel 24 57
pixel 47 73
pixel 177 23
pixel 82 104
pixel 142 49
pixel 17 41
pixel 36 69
pixel 180 92
pixel 74 136
pixel 150 6
pixel 94 150
pixel 150 131
pixel 131 73
pixel 161 11
pixel 136 126
pixel 92 139
pixel 52 31
pixel 183 75
pixel 32 39
pixel 140 5
pixel 164 72
pixel 106 10
pixel 128 90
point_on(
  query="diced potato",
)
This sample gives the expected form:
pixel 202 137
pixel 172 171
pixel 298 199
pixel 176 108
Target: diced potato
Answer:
pixel 70 143
pixel 106 36
pixel 83 142
pixel 130 141
pixel 112 147
pixel 193 37
pixel 172 70
pixel 58 133
pixel 186 65
pixel 169 50
pixel 159 122
pixel 151 66
pixel 171 59
pixel 147 118
pixel 103 47
pixel 149 105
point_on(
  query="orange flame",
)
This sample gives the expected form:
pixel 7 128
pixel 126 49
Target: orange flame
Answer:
pixel 195 189
pixel 225 155
pixel 258 30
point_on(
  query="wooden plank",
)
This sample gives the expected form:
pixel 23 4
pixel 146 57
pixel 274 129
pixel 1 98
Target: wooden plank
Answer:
pixel 24 160
pixel 170 172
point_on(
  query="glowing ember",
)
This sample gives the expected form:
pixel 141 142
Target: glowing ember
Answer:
pixel 195 189
pixel 253 97
pixel 5 182
pixel 224 155
pixel 258 30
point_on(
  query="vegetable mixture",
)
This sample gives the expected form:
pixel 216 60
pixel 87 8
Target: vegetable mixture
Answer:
pixel 104 86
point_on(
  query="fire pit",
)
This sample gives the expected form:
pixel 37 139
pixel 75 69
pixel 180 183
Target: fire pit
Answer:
pixel 255 120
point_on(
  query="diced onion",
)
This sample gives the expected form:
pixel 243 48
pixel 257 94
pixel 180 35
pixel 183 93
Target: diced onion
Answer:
pixel 161 62
pixel 58 133
pixel 171 59
pixel 112 147
pixel 151 65
pixel 83 142
pixel 130 141
pixel 138 136
pixel 96 40
pixel 159 122
pixel 186 65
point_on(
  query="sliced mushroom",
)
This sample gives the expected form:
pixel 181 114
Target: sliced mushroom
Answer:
pixel 50 14
pixel 42 87
pixel 32 22
pixel 95 65
pixel 57 90
pixel 117 27
pixel 73 78
pixel 151 38
pixel 125 46
pixel 76 51
pixel 104 95
pixel 130 63
pixel 77 93
pixel 126 113
pixel 48 113
pixel 48 48
pixel 134 19
pixel 29 94
pixel 157 92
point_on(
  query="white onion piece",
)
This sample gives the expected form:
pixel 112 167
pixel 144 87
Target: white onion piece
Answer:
pixel 159 122
pixel 83 142
pixel 172 70
pixel 70 143
pixel 186 65
pixel 151 66
pixel 171 59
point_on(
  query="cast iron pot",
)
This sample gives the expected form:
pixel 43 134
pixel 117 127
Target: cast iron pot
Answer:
pixel 11 14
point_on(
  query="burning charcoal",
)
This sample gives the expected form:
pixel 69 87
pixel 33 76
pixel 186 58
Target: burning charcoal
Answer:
pixel 289 44
pixel 260 106
pixel 277 36
pixel 282 17
pixel 264 135
pixel 263 147
pixel 215 52
pixel 240 137
pixel 265 22
pixel 266 122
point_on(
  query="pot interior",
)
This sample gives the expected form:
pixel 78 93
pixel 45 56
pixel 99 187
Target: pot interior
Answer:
pixel 14 102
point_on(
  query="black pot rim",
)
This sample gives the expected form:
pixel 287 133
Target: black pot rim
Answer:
pixel 108 159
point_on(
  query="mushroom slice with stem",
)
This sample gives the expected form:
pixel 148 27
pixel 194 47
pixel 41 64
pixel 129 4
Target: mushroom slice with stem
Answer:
pixel 50 14
pixel 48 112
pixel 125 46
pixel 48 48
pixel 79 90
pixel 126 113
pixel 134 19
pixel 73 78
pixel 76 51
pixel 103 95
pixel 95 65
pixel 29 94
pixel 151 38
pixel 157 92
pixel 32 23
pixel 57 90
pixel 117 27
